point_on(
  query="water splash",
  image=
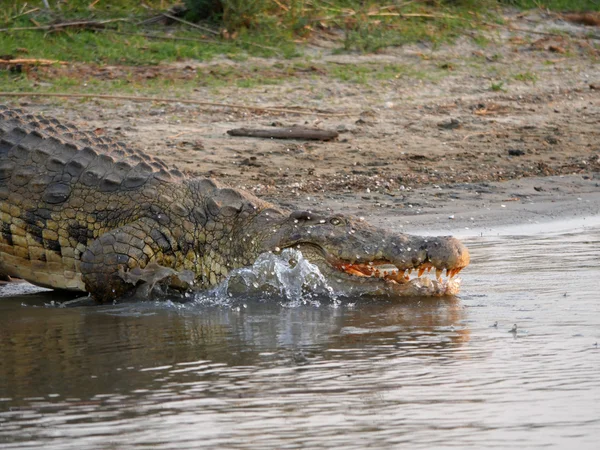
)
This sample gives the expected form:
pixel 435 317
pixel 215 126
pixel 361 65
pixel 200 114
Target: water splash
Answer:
pixel 288 276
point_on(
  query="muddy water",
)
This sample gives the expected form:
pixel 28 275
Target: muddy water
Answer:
pixel 356 373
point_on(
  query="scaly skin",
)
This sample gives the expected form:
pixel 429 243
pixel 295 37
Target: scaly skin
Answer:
pixel 85 213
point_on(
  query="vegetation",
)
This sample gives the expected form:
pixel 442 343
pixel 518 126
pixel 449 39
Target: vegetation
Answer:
pixel 136 34
pixel 239 27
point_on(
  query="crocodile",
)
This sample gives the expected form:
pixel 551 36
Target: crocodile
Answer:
pixel 84 212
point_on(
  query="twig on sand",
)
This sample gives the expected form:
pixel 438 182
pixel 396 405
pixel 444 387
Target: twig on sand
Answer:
pixel 585 18
pixel 31 62
pixel 177 135
pixel 313 134
pixel 175 100
pixel 428 16
pixel 477 134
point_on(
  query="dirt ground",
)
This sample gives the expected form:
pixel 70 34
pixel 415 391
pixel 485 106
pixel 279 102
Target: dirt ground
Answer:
pixel 468 118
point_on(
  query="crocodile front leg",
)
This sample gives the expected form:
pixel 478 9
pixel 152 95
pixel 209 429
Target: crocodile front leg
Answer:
pixel 131 246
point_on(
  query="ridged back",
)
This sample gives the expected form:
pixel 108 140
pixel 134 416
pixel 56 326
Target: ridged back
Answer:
pixel 51 157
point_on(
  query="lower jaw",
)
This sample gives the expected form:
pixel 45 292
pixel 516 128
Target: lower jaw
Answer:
pixel 418 287
pixel 424 286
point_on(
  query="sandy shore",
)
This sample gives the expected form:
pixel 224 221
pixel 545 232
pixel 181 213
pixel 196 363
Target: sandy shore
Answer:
pixel 525 206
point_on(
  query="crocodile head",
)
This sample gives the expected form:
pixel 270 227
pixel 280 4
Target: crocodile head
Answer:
pixel 351 251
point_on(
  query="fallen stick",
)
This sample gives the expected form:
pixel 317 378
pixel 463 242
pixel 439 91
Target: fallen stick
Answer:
pixel 174 100
pixel 312 134
pixel 91 24
pixel 22 14
pixel 180 38
pixel 477 134
pixel 586 18
pixel 37 62
pixel 186 39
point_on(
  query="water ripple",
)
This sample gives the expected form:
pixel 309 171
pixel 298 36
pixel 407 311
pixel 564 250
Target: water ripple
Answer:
pixel 353 373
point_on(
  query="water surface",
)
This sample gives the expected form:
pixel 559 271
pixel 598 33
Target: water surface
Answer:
pixel 320 373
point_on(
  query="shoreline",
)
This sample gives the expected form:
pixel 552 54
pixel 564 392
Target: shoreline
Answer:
pixel 523 206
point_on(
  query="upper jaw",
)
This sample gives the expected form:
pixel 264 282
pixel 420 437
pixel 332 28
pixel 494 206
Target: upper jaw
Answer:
pixel 398 269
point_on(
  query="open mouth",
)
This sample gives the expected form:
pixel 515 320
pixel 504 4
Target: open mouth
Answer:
pixel 389 272
pixel 378 269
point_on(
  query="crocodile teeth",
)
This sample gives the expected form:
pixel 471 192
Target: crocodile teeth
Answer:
pixel 391 273
pixel 455 272
pixel 355 272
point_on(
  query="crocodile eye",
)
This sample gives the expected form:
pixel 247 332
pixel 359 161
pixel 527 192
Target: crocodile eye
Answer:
pixel 335 221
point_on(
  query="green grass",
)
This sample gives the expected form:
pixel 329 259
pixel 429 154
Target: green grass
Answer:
pixel 124 42
pixel 527 77
pixel 261 28
pixel 367 73
pixel 257 28
pixel 497 86
pixel 106 48
pixel 75 8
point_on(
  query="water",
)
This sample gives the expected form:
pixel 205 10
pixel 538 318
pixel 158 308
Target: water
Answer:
pixel 321 372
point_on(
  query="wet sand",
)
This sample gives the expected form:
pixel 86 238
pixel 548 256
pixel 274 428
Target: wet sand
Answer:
pixel 528 205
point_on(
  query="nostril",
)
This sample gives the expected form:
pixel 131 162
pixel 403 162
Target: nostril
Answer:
pixel 300 215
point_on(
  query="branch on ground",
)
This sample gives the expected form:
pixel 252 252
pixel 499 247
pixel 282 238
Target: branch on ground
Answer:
pixel 286 133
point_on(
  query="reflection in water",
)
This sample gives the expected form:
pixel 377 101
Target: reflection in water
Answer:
pixel 353 374
pixel 66 348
